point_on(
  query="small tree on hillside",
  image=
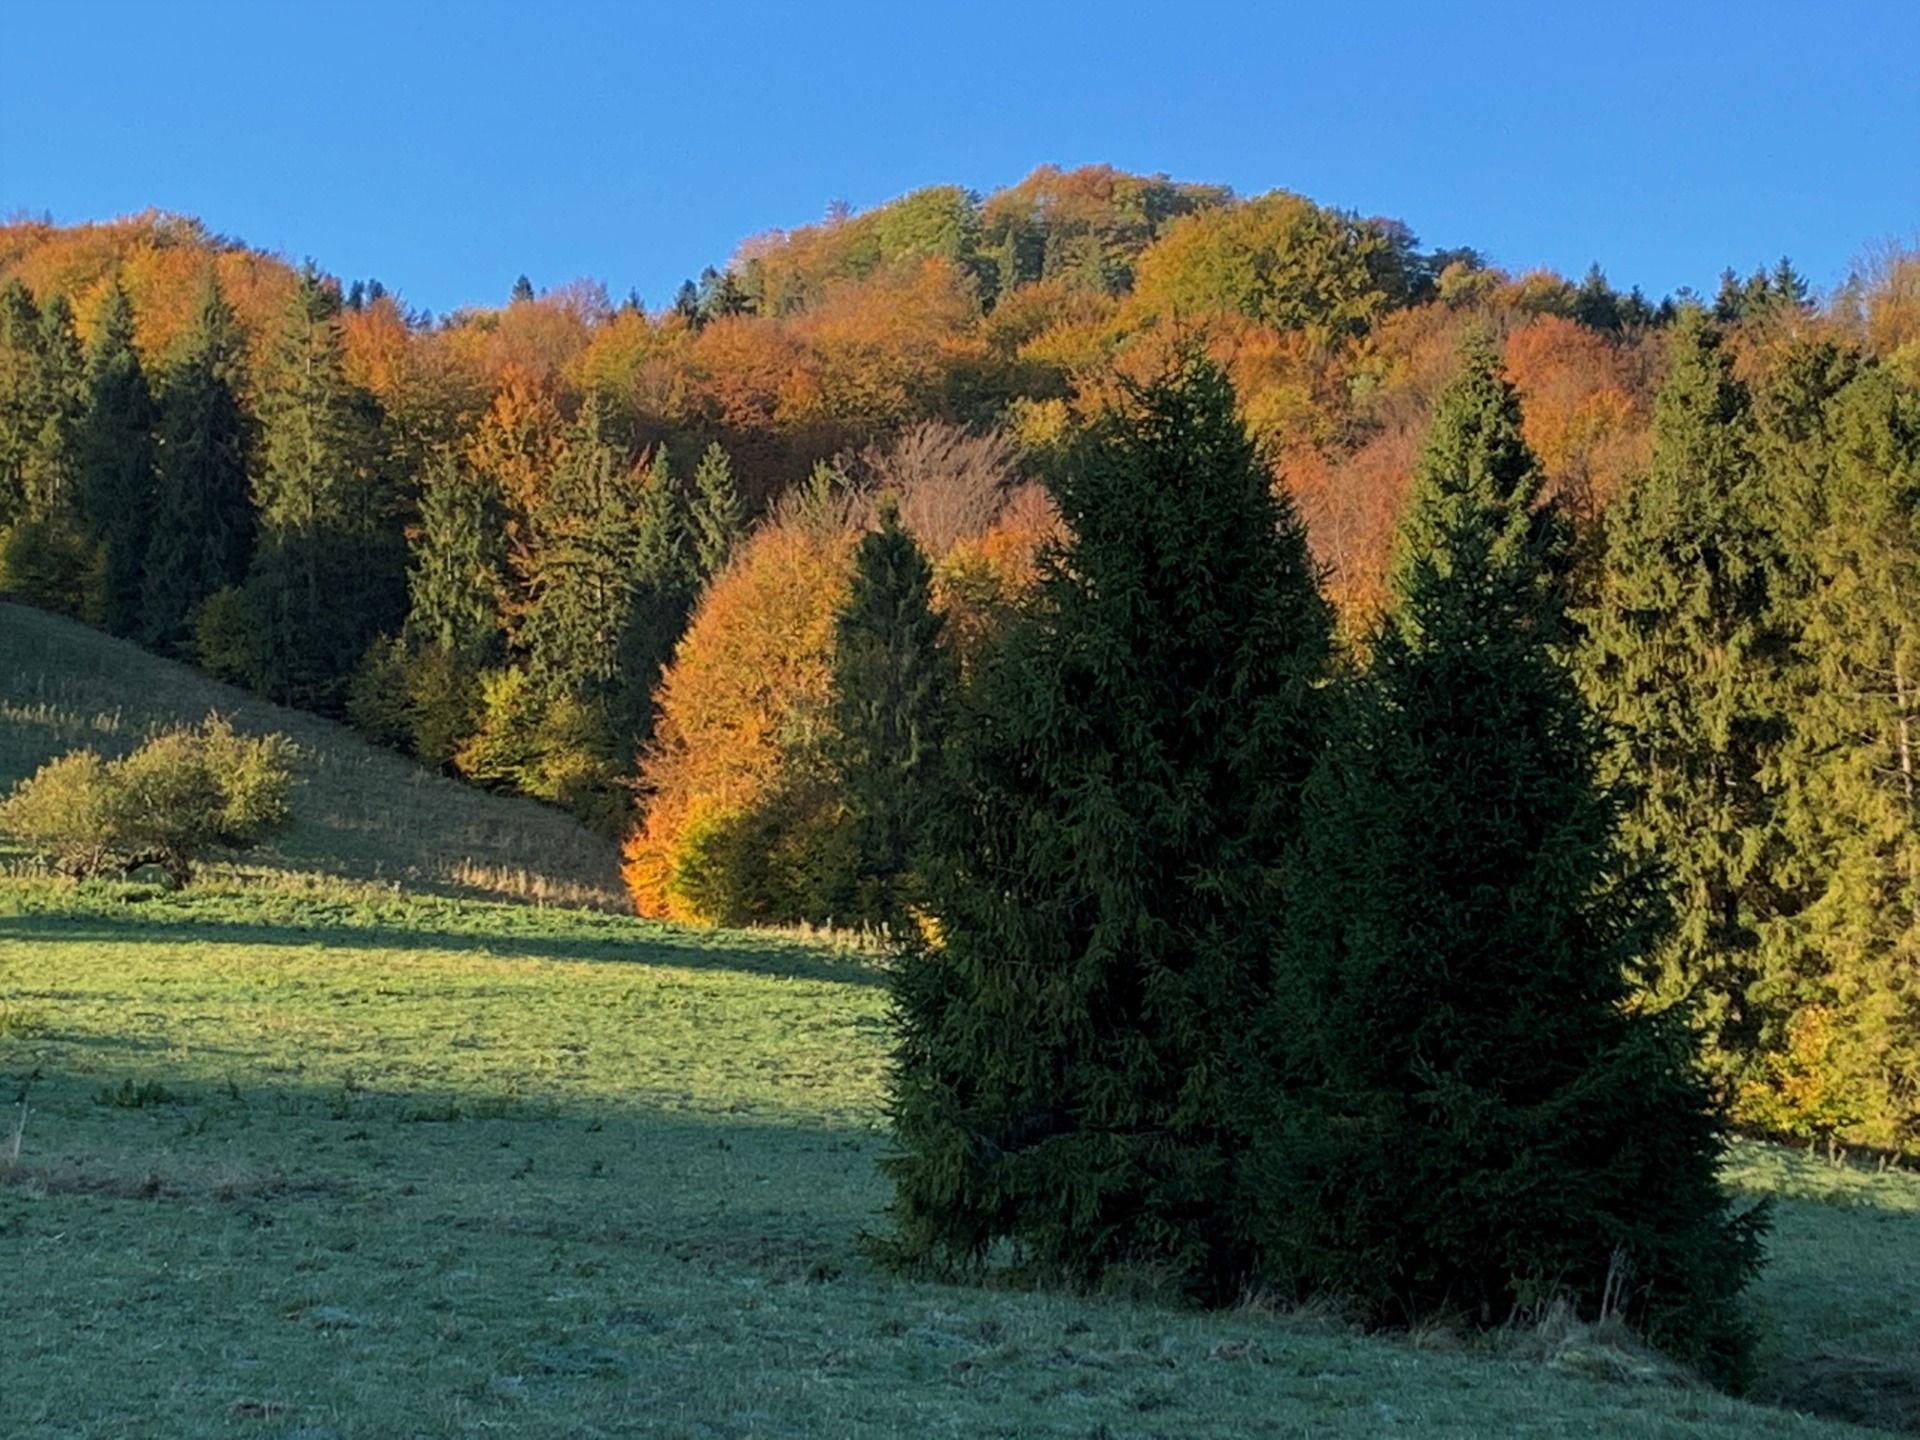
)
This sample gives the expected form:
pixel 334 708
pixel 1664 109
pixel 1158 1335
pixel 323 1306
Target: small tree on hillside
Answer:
pixel 715 518
pixel 1471 1118
pixel 893 684
pixel 1127 776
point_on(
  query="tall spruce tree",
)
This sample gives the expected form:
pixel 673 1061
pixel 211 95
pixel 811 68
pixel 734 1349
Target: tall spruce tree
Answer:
pixel 427 686
pixel 892 697
pixel 1851 1060
pixel 456 582
pixel 1126 778
pixel 47 556
pixel 1468 1114
pixel 116 463
pixel 591 535
pixel 329 574
pixel 202 536
pixel 20 403
pixel 49 479
pixel 715 519
pixel 1683 657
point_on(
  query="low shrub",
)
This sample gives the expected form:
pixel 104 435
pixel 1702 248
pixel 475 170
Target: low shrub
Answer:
pixel 186 792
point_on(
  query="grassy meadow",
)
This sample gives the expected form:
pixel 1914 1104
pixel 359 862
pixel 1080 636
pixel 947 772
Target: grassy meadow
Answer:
pixel 360 811
pixel 352 1164
pixel 336 1149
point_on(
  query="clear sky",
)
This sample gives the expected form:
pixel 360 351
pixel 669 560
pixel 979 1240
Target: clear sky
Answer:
pixel 448 147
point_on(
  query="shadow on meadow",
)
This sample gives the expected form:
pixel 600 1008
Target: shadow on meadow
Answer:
pixel 622 943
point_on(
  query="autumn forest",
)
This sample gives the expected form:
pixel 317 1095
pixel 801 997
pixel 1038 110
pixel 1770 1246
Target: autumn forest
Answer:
pixel 604 552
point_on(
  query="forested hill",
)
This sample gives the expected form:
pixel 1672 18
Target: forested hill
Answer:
pixel 598 552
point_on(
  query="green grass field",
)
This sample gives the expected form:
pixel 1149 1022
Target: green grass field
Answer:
pixel 300 1156
pixel 351 1164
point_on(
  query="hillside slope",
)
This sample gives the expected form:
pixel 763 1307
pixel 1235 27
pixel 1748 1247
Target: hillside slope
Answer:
pixel 360 812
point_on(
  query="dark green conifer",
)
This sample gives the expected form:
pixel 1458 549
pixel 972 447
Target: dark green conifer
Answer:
pixel 1126 779
pixel 47 556
pixel 1683 658
pixel 892 698
pixel 456 582
pixel 590 536
pixel 329 574
pixel 203 523
pixel 607 576
pixel 1850 1060
pixel 52 480
pixel 1469 1116
pixel 116 463
pixel 20 403
pixel 715 519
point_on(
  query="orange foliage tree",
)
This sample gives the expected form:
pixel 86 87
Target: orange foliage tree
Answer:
pixel 747 690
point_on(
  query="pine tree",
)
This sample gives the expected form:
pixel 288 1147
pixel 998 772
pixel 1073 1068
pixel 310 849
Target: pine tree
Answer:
pixel 116 462
pixel 1470 1117
pixel 588 550
pixel 1683 658
pixel 893 688
pixel 1850 1062
pixel 456 581
pixel 329 574
pixel 47 556
pixel 20 402
pixel 52 481
pixel 425 688
pixel 715 520
pixel 203 523
pixel 606 573
pixel 1126 775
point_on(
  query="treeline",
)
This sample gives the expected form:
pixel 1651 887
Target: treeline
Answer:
pixel 622 559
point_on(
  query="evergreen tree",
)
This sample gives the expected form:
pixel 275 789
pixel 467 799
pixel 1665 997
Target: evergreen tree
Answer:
pixel 522 291
pixel 20 403
pixel 590 537
pixel 423 689
pixel 1469 1115
pixel 606 573
pixel 715 519
pixel 1126 779
pixel 667 575
pixel 1850 1060
pixel 329 574
pixel 116 462
pixel 203 524
pixel 893 687
pixel 1684 657
pixel 51 479
pixel 1595 303
pixel 47 556
pixel 456 581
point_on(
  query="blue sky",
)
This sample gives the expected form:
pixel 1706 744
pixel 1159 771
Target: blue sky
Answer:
pixel 448 147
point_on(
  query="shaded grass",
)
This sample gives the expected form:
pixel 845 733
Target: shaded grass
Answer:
pixel 359 811
pixel 411 1167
